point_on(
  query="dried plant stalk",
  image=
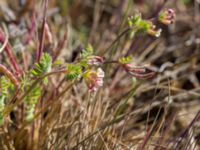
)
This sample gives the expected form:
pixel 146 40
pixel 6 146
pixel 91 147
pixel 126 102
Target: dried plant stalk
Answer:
pixel 10 75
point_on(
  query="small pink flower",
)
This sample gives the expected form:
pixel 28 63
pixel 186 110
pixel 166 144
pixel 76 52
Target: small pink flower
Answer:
pixel 94 79
pixel 167 16
pixel 95 60
pixel 138 72
pixel 99 82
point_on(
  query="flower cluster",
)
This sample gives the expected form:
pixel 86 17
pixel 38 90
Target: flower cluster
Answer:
pixel 139 25
pixel 94 79
pixel 167 16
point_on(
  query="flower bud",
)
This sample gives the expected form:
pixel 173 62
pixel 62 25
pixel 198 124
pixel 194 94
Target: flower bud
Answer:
pixel 153 32
pixel 95 60
pixel 138 72
pixel 167 16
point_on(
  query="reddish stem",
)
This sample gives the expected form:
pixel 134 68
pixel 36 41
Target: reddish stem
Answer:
pixel 9 74
pixel 60 46
pixel 31 30
pixel 10 55
pixel 41 44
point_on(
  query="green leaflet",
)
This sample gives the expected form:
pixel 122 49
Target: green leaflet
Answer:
pixel 44 66
pixel 88 51
pixel 31 101
pixel 73 71
pixel 125 60
pixel 5 87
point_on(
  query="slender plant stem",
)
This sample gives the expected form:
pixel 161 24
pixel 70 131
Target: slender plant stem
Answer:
pixel 42 37
pixel 117 38
pixel 9 53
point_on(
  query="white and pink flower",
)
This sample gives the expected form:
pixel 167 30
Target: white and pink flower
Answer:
pixel 153 31
pixel 94 79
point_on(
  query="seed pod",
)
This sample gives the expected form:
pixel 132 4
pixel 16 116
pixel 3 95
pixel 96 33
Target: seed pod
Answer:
pixel 138 72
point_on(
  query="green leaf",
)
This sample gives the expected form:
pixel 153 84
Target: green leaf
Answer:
pixel 161 16
pixel 1 119
pixel 134 20
pixel 44 66
pixel 125 60
pixel 5 88
pixel 31 100
pixel 73 71
pixel 144 26
pixel 88 51
pixel 2 105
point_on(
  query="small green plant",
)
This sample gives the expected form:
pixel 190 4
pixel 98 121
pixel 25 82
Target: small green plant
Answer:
pixel 44 66
pixel 32 98
pixel 57 92
pixel 31 101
